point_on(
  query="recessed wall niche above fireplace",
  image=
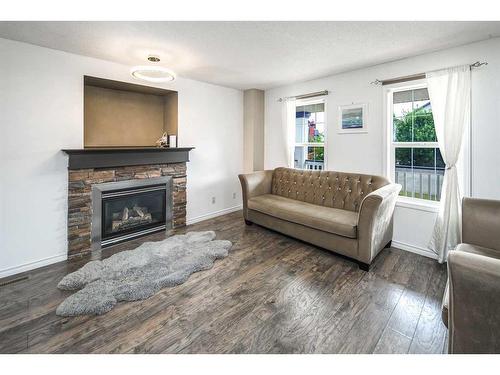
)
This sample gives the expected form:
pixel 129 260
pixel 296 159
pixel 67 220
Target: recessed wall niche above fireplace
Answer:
pixel 122 114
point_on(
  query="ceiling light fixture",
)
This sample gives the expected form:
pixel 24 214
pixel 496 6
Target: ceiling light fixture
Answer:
pixel 152 73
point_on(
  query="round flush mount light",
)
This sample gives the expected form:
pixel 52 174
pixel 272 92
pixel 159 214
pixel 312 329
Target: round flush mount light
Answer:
pixel 152 73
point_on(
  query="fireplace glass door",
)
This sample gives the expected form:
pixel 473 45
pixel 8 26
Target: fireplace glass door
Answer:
pixel 130 211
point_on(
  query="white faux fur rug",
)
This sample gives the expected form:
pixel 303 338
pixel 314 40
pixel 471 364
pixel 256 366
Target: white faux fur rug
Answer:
pixel 138 274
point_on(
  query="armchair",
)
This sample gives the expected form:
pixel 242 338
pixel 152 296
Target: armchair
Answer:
pixel 471 306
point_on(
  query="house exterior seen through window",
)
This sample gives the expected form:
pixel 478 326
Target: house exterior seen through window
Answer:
pixel 310 124
pixel 416 162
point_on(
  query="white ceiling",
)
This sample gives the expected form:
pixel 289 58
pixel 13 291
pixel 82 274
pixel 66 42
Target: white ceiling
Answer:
pixel 251 54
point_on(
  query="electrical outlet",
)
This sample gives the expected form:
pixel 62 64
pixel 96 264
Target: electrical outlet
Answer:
pixel 213 200
pixel 234 195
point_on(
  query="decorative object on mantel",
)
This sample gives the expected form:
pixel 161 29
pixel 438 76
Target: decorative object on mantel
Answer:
pixel 353 118
pixel 163 140
pixel 172 141
pixel 167 141
pixel 138 274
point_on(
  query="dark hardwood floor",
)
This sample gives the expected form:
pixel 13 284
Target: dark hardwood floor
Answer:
pixel 272 294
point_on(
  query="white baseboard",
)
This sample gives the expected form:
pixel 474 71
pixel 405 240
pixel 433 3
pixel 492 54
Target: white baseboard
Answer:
pixel 32 265
pixel 213 214
pixel 414 249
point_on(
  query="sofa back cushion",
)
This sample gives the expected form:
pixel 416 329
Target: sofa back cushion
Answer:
pixel 325 188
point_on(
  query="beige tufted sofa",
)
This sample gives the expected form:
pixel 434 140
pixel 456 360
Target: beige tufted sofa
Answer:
pixel 348 213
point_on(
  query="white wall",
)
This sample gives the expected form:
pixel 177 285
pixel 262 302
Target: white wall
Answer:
pixel 364 153
pixel 41 112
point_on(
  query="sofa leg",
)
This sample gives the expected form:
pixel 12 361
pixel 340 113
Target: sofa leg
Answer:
pixel 388 244
pixel 364 266
pixel 248 222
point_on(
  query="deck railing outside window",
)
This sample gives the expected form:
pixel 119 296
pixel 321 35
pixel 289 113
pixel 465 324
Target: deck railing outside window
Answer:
pixel 420 183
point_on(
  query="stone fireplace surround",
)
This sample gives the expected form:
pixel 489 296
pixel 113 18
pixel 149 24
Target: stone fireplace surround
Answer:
pixel 80 183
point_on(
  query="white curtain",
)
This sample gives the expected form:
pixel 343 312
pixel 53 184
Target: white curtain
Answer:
pixel 449 92
pixel 288 130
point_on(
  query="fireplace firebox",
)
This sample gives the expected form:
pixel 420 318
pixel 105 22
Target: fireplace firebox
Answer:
pixel 126 209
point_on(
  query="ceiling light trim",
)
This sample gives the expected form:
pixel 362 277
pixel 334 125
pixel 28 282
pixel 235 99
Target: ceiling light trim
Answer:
pixel 141 72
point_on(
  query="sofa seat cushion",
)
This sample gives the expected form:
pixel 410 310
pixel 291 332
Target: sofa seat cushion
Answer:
pixel 472 249
pixel 331 220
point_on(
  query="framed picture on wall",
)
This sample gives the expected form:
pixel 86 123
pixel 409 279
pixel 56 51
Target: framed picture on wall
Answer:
pixel 353 118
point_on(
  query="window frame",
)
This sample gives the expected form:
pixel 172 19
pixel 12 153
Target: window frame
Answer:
pixel 389 161
pixel 301 102
pixel 410 145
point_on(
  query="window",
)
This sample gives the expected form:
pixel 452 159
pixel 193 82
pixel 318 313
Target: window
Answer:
pixel 310 135
pixel 416 162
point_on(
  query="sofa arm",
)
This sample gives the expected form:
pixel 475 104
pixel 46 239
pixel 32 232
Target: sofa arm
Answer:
pixel 474 303
pixel 375 221
pixel 254 184
pixel 481 222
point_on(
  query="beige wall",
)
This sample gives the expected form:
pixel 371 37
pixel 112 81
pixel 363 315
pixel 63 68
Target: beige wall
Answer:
pixel 253 122
pixel 124 118
pixel 171 113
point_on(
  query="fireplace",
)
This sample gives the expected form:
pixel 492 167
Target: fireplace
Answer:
pixel 116 194
pixel 127 209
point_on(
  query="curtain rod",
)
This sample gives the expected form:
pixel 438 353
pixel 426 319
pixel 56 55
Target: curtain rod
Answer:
pixel 414 77
pixel 305 96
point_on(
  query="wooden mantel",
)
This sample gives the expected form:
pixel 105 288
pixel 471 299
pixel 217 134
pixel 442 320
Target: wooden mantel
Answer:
pixel 125 156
